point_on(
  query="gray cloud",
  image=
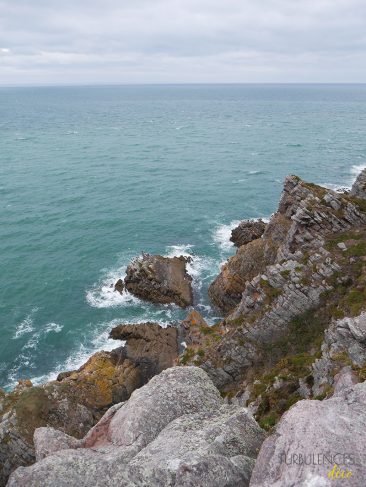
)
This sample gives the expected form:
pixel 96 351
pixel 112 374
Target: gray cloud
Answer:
pixel 110 41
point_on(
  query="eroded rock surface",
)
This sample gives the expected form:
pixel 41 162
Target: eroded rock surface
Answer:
pixel 247 231
pixel 160 280
pixel 173 432
pixel 280 294
pixel 325 433
pixel 79 398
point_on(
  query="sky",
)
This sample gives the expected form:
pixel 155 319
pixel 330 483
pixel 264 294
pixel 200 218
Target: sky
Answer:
pixel 46 42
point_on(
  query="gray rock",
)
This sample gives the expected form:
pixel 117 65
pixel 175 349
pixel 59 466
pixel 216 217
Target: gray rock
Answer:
pixel 78 399
pixel 317 430
pixel 343 338
pixel 173 432
pixel 359 186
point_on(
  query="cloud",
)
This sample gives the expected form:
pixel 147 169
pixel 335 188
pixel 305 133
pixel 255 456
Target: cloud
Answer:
pixel 182 41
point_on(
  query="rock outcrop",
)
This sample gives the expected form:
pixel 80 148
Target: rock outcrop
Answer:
pixel 76 401
pixel 280 294
pixel 119 286
pixel 292 349
pixel 149 346
pixel 160 280
pixel 247 231
pixel 317 440
pixel 173 432
pixel 359 186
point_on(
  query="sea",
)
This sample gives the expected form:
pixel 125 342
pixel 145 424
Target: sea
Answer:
pixel 92 176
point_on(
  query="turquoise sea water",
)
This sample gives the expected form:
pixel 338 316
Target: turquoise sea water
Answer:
pixel 92 176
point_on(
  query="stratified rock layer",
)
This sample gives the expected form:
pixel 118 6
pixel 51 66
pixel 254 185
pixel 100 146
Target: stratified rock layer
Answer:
pixel 160 280
pixel 173 432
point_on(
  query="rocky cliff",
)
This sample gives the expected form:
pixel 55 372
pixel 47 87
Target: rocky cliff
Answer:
pixel 78 399
pixel 289 357
pixel 294 302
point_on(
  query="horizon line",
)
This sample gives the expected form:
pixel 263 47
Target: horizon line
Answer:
pixel 234 83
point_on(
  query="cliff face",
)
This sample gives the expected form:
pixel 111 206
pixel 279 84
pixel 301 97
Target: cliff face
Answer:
pixel 281 292
pixel 292 348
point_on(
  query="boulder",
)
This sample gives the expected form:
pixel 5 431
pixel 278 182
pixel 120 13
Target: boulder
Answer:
pixel 173 432
pixel 119 286
pixel 160 280
pixel 314 441
pixel 247 231
pixel 78 399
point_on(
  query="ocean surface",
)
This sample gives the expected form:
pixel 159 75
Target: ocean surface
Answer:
pixel 92 176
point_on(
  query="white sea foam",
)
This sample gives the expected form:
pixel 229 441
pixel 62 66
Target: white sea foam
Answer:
pixel 222 233
pixel 356 169
pixel 354 172
pixel 99 341
pixel 335 187
pixel 52 327
pixel 103 295
pixel 199 267
pixel 178 250
pixel 26 326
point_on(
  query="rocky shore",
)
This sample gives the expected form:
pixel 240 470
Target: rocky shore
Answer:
pixel 280 379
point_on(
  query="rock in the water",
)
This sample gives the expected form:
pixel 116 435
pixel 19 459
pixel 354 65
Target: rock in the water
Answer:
pixel 359 186
pixel 79 398
pixel 311 438
pixel 149 344
pixel 247 231
pixel 173 432
pixel 119 286
pixel 160 280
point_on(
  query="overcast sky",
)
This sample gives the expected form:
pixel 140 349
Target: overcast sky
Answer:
pixel 179 41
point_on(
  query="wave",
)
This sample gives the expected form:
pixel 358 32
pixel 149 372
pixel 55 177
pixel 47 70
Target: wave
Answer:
pixel 103 295
pixel 356 169
pixel 222 233
pixel 335 187
pixel 354 172
pixel 200 268
pixel 77 358
pixel 26 326
pixel 52 327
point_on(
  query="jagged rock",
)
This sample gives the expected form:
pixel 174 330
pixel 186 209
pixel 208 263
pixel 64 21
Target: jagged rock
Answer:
pixel 250 260
pixel 119 286
pixel 324 433
pixel 275 279
pixel 160 280
pixel 359 186
pixel 150 344
pixel 173 432
pixel 79 398
pixel 25 410
pixel 191 328
pixel 344 341
pixel 247 231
